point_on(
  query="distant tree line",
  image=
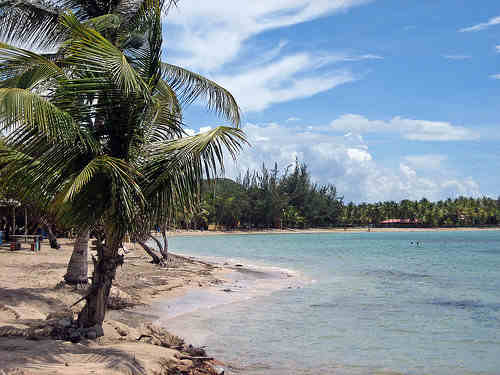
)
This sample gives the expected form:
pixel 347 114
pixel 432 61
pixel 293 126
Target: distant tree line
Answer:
pixel 270 198
pixel 461 211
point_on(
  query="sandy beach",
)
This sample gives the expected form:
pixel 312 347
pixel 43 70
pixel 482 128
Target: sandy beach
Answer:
pixel 184 232
pixel 33 301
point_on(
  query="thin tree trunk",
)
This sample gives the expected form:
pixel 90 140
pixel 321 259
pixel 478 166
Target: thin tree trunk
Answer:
pixel 77 272
pixel 108 259
pixel 52 237
pixel 163 248
pixel 151 253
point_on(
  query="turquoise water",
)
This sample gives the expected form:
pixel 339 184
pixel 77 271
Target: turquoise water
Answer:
pixel 366 303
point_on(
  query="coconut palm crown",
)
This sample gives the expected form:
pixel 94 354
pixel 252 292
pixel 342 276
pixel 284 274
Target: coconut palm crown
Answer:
pixel 94 128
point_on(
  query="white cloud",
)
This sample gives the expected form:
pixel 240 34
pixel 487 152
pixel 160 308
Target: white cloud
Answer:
pixel 192 132
pixel 457 57
pixel 281 81
pixel 207 34
pixel 482 26
pixel 362 57
pixel 292 119
pixel 358 155
pixel 347 162
pixel 497 48
pixel 429 161
pixel 417 130
pixel 495 76
pixel 215 39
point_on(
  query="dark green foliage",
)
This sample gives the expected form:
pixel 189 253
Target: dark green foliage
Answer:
pixel 270 199
pixel 462 211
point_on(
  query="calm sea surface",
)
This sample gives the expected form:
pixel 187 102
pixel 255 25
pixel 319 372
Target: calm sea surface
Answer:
pixel 366 303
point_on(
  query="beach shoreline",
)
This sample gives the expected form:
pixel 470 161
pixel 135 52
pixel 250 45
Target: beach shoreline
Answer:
pixel 192 232
pixel 33 301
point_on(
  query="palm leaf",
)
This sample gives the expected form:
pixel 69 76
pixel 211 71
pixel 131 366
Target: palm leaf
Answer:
pixel 30 23
pixel 191 86
pixel 21 108
pixel 91 52
pixel 24 69
pixel 178 165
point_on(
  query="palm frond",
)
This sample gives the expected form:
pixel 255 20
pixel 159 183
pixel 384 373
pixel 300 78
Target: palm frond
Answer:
pixel 24 69
pixel 192 86
pixel 91 52
pixel 21 108
pixel 105 22
pixel 30 23
pixel 178 166
pixel 105 184
pixel 116 168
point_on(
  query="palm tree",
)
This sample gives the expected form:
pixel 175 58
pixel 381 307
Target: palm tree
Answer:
pixel 96 129
pixel 78 265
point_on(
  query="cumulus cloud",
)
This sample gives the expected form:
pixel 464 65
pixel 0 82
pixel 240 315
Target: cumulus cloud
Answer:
pixel 497 48
pixel 428 161
pixel 417 130
pixel 482 26
pixel 347 162
pixel 495 76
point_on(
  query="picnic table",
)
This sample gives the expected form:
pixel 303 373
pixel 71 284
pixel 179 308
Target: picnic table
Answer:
pixel 15 241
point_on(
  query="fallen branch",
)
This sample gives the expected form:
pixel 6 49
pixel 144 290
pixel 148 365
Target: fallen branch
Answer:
pixel 196 358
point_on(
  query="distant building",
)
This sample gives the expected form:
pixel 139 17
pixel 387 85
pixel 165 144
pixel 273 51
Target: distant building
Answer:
pixel 400 223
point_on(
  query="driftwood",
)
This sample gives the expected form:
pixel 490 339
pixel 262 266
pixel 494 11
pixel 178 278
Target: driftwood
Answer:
pixel 196 358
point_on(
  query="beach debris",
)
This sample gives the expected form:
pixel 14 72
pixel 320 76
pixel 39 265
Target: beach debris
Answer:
pixel 238 265
pixel 75 337
pixel 64 323
pixel 196 352
pixel 159 336
pixel 196 358
pixel 120 328
pixel 186 367
pixel 227 290
pixel 10 311
pixel 219 370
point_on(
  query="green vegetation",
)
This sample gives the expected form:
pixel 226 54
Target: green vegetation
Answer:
pixel 270 199
pixel 94 129
pixel 462 211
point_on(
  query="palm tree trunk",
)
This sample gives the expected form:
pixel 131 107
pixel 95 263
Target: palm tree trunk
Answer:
pixel 151 253
pixel 77 272
pixel 52 237
pixel 108 259
pixel 162 248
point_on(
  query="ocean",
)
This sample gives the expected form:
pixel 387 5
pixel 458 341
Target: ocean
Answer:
pixel 347 303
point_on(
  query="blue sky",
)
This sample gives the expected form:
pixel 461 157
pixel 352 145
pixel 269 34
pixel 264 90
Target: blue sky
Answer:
pixel 387 99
